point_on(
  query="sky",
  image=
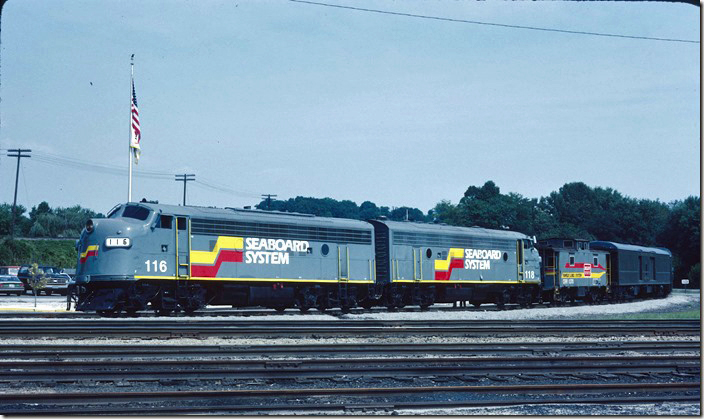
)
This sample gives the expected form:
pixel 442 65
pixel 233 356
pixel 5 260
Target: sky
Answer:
pixel 295 99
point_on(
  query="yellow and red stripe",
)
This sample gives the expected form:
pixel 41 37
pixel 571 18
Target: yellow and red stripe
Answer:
pixel 90 251
pixel 443 268
pixel 207 264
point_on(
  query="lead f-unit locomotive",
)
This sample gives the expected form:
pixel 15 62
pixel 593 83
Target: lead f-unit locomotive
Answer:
pixel 166 258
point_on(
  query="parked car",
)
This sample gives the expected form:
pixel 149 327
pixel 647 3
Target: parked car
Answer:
pixel 58 283
pixel 10 284
pixel 9 270
pixel 57 280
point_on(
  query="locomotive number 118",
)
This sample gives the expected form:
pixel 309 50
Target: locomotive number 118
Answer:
pixel 156 265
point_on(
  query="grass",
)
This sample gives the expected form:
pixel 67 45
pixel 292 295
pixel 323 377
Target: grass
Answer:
pixel 676 315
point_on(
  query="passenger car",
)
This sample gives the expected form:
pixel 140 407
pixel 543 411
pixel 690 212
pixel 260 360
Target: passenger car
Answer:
pixel 10 284
pixel 57 280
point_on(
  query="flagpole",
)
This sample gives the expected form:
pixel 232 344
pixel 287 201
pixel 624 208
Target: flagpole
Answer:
pixel 129 142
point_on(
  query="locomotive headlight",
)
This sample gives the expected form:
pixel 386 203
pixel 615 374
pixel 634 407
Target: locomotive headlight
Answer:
pixel 118 242
pixel 89 226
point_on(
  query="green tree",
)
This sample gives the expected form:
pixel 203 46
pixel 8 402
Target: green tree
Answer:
pixel 487 207
pixel 37 280
pixel 682 234
pixel 369 211
pixel 22 223
pixel 413 214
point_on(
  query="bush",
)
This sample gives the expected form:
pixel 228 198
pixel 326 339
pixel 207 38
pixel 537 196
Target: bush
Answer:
pixel 60 253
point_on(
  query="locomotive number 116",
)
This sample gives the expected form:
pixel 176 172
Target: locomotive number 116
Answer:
pixel 156 265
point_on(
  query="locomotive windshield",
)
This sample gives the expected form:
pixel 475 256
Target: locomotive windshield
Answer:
pixel 137 212
pixel 113 212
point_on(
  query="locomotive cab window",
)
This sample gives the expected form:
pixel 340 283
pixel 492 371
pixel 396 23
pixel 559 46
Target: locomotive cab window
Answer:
pixel 165 221
pixel 181 223
pixel 136 212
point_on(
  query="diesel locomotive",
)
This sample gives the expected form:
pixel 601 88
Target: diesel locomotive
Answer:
pixel 168 258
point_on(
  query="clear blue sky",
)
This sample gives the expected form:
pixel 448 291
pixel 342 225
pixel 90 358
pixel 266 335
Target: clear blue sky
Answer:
pixel 293 99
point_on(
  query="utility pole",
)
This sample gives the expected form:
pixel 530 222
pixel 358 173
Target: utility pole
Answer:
pixel 185 178
pixel 268 199
pixel 16 152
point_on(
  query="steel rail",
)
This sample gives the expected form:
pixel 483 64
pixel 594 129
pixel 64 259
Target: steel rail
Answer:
pixel 341 349
pixel 279 328
pixel 152 370
pixel 342 399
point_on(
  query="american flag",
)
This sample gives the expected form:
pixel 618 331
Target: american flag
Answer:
pixel 136 133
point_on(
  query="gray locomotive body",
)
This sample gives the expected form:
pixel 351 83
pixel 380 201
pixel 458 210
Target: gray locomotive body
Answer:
pixel 420 264
pixel 165 258
pixel 174 257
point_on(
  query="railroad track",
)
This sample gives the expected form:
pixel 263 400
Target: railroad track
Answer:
pixel 51 379
pixel 342 400
pixel 83 352
pixel 334 327
pixel 462 368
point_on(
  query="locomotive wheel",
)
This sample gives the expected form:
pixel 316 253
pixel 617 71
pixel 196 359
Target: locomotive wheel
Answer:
pixel 501 299
pixel 322 303
pixel 367 304
pixel 107 313
pixel 132 312
pixel 393 298
pixel 280 309
pixel 477 305
pixel 306 299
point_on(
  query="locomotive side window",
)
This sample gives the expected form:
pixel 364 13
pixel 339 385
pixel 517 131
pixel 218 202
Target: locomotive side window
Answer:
pixel 137 212
pixel 571 258
pixel 181 223
pixel 596 260
pixel 428 253
pixel 165 221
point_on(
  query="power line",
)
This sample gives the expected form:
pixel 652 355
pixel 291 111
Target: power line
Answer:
pixel 503 25
pixel 220 188
pixel 95 167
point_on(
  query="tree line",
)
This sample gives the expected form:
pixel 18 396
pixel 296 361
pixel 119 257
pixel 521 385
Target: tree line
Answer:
pixel 576 210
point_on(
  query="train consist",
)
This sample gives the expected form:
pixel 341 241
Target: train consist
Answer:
pixel 181 258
